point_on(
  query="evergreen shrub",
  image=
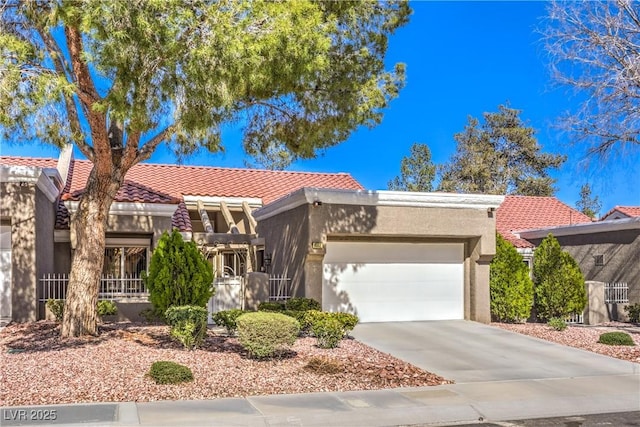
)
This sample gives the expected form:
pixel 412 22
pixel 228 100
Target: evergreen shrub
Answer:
pixel 178 275
pixel 510 286
pixel 616 338
pixel 165 372
pixel 559 284
pixel 266 334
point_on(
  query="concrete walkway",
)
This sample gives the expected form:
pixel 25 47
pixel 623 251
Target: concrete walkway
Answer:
pixel 494 383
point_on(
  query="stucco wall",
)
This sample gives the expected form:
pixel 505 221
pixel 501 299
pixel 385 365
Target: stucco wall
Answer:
pixel 289 236
pixel 286 238
pixel 621 250
pixel 141 224
pixel 20 203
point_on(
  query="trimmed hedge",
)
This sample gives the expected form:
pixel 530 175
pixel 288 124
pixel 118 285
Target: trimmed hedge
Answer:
pixel 266 334
pixel 557 324
pixel 616 338
pixel 165 372
pixel 328 331
pixel 302 304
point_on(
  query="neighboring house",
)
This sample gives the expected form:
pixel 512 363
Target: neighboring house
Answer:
pixel 382 255
pixel 519 213
pixel 607 251
pixel 622 212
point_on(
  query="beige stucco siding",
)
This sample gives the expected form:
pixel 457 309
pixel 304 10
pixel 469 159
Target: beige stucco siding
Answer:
pixel 290 235
pixel 31 243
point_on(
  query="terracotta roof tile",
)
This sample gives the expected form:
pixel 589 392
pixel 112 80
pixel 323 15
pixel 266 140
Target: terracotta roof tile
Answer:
pixel 181 219
pixel 519 213
pixel 162 183
pixel 628 211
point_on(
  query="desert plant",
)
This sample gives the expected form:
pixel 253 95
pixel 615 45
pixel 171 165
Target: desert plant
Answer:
pixel 56 307
pixel 178 275
pixel 616 338
pixel 559 284
pixel 265 334
pixel 310 317
pixel 227 319
pixel 557 324
pixel 510 285
pixel 271 306
pixel 634 312
pixel 188 325
pixel 165 372
pixel 347 321
pixel 323 365
pixel 302 304
pixel 328 331
pixel 107 308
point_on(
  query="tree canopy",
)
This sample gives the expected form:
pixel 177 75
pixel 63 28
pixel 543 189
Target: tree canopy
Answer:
pixel 499 156
pixel 593 49
pixel 417 171
pixel 119 77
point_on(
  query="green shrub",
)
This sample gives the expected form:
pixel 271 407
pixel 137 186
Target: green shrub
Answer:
pixel 559 284
pixel 302 304
pixel 634 312
pixel 178 275
pixel 310 317
pixel 298 315
pixel 56 307
pixel 347 320
pixel 150 315
pixel 328 331
pixel 616 338
pixel 227 318
pixel 164 372
pixel 510 285
pixel 106 308
pixel 557 324
pixel 266 334
pixel 103 308
pixel 271 306
pixel 188 325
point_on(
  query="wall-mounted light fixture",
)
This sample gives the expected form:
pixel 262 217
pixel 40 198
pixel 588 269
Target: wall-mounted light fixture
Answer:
pixel 267 259
pixel 317 202
pixel 317 245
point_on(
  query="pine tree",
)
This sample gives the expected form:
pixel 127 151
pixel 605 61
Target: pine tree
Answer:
pixel 417 171
pixel 588 204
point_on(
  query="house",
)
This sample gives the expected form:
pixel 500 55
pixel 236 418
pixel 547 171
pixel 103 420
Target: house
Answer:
pixel 607 251
pixel 382 255
pixel 621 212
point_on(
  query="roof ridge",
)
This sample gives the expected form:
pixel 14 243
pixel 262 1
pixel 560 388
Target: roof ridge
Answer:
pixel 228 168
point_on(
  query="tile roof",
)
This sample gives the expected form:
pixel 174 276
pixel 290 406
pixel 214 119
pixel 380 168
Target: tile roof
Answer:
pixel 519 213
pixel 162 183
pixel 628 211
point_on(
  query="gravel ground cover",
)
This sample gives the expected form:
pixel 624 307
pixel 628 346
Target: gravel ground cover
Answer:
pixel 584 337
pixel 38 367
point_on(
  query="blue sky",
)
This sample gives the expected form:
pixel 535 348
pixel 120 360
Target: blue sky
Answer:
pixel 463 58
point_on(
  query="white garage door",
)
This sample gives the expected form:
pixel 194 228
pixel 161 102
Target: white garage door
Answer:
pixel 386 282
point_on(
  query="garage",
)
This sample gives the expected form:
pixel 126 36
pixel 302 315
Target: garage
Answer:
pixel 394 281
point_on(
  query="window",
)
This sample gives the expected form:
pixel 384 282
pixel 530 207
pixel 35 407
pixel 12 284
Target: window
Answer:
pixel 233 264
pixel 599 260
pixel 125 261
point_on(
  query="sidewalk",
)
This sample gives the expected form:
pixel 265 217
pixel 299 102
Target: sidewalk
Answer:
pixel 441 405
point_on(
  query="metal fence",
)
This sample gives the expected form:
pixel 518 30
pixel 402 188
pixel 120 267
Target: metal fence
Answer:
pixel 616 293
pixel 279 288
pixel 54 286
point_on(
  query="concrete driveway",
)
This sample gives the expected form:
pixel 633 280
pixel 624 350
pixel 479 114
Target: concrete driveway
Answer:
pixel 466 351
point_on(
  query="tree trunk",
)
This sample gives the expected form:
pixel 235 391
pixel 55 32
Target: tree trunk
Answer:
pixel 89 224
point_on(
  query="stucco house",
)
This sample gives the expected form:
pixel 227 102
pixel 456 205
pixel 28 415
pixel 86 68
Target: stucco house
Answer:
pixel 382 255
pixel 607 251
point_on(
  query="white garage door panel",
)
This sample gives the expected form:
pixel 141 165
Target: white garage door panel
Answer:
pixel 427 287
